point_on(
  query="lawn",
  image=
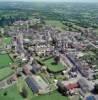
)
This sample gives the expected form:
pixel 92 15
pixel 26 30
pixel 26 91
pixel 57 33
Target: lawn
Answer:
pixel 5 60
pixel 7 40
pixel 5 69
pixel 52 96
pixel 5 72
pixel 52 66
pixel 20 84
pixel 12 94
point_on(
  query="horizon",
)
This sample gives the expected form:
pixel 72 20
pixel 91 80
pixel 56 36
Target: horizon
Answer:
pixel 51 1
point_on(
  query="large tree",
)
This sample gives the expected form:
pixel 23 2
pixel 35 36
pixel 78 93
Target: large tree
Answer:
pixel 24 92
pixel 57 59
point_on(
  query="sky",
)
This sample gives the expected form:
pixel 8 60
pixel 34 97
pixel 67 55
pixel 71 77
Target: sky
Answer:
pixel 55 0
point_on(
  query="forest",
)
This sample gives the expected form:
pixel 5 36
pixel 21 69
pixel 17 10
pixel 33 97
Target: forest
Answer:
pixel 81 14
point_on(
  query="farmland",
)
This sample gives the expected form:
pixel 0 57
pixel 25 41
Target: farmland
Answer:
pixel 55 23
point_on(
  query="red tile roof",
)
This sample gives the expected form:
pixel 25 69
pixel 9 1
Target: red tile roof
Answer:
pixel 26 70
pixel 72 86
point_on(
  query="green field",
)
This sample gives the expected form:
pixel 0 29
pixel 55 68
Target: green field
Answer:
pixel 7 40
pixel 12 94
pixel 53 67
pixel 52 96
pixel 56 24
pixel 5 72
pixel 5 69
pixel 5 60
